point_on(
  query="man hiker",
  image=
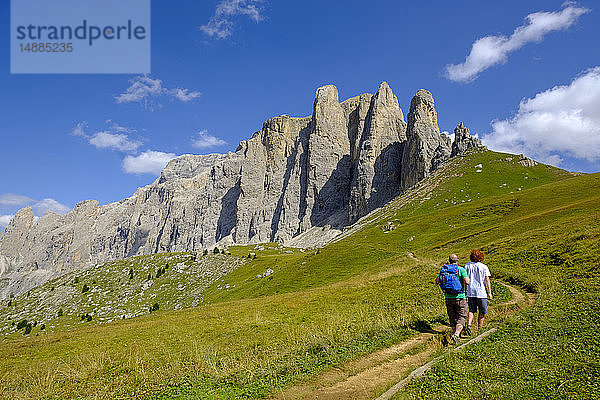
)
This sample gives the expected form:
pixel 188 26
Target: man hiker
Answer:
pixel 453 280
pixel 479 290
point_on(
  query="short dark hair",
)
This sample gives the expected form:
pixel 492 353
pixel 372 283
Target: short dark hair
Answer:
pixel 476 255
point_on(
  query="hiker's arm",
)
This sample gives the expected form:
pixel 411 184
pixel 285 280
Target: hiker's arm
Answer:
pixel 467 280
pixel 488 287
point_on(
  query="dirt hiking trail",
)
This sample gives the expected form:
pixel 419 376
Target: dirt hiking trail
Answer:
pixel 393 367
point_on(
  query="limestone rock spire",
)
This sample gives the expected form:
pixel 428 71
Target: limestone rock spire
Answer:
pixel 425 147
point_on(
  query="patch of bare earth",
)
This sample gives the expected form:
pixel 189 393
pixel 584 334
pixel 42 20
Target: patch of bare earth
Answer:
pixel 371 375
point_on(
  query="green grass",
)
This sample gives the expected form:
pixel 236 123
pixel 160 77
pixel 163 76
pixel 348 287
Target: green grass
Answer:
pixel 551 349
pixel 116 290
pixel 319 309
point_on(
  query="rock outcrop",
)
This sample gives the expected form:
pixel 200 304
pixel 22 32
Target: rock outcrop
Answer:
pixel 463 140
pixel 425 147
pixel 294 176
pixel 378 162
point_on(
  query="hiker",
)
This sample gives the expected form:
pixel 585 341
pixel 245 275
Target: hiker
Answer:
pixel 479 290
pixel 453 280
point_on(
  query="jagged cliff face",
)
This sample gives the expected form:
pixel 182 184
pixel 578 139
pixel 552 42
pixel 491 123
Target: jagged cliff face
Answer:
pixel 295 174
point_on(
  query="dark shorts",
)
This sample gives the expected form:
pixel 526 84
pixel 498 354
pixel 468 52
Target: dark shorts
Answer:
pixel 478 303
pixel 457 311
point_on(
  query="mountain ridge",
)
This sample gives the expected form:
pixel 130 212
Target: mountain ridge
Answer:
pixel 297 173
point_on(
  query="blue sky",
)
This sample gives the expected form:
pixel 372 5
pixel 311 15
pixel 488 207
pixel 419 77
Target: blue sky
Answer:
pixel 519 74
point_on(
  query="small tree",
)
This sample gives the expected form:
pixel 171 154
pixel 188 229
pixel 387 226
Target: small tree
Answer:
pixel 155 307
pixel 28 329
pixel 60 313
pixel 149 277
pixel 85 288
pixel 205 252
pixel 10 303
pixel 130 273
pixel 22 324
pixel 42 327
pixel 216 250
pixel 76 280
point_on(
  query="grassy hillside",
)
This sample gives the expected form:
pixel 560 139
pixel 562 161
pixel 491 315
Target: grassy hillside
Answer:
pixel 290 314
pixel 115 290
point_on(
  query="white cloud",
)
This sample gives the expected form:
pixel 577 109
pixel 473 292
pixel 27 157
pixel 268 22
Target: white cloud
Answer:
pixel 5 220
pixel 113 141
pixel 204 141
pixel 563 121
pixel 79 129
pixel 114 138
pixel 492 50
pixel 148 162
pixel 184 94
pixel 118 128
pixel 147 91
pixel 40 207
pixel 10 199
pixel 43 206
pixel 220 25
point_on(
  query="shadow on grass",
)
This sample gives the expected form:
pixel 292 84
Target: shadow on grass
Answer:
pixel 425 326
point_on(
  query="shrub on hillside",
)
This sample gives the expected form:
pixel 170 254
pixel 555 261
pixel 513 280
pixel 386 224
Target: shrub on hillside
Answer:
pixel 216 250
pixel 85 288
pixel 22 324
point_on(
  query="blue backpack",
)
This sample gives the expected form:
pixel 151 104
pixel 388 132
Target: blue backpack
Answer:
pixel 449 281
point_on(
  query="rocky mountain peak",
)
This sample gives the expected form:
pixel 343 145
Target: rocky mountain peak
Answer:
pixel 294 177
pixel 21 222
pixel 463 140
pixel 422 111
pixel 425 147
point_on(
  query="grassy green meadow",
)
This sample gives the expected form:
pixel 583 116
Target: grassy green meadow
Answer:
pixel 266 323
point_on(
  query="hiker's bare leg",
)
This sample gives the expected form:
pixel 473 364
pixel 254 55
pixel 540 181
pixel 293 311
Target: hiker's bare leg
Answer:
pixel 480 318
pixel 470 318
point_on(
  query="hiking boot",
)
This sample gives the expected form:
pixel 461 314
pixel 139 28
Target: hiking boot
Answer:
pixel 455 339
pixel 467 331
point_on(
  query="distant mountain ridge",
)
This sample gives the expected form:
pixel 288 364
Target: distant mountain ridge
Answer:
pixel 326 170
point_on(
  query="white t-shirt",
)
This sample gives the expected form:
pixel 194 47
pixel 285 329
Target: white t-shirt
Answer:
pixel 477 272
